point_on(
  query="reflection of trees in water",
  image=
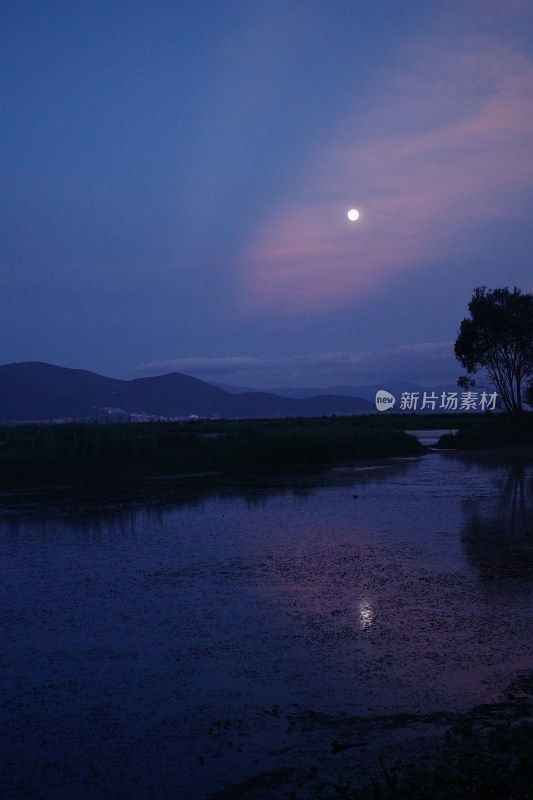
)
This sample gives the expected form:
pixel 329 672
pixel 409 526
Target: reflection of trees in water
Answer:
pixel 86 524
pixel 498 535
pixel 121 512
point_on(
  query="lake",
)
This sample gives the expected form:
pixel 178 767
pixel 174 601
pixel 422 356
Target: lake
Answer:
pixel 231 635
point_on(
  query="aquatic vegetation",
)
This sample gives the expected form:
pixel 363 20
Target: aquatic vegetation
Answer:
pixel 88 451
pixel 491 431
pixel 485 755
pixel 107 453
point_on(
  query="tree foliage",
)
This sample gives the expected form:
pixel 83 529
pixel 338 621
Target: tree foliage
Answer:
pixel 497 338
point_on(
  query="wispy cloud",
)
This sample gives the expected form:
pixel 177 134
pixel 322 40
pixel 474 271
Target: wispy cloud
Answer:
pixel 452 149
pixel 428 362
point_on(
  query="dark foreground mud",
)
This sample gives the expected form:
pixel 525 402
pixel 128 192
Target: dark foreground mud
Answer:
pixel 486 752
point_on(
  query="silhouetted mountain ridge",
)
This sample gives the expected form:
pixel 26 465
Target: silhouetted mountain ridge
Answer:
pixel 364 392
pixel 37 391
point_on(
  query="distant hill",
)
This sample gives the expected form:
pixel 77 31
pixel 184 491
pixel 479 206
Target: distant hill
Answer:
pixel 366 392
pixel 36 391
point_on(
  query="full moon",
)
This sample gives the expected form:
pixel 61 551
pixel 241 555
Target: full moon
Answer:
pixel 353 214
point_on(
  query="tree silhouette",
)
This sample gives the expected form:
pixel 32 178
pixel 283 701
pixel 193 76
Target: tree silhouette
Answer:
pixel 497 338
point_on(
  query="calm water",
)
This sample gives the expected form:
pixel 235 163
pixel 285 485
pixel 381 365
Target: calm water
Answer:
pixel 170 650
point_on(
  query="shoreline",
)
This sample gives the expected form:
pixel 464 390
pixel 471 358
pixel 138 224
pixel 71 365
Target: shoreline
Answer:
pixel 480 753
pixel 176 488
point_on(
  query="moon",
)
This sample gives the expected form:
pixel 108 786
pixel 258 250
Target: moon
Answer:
pixel 353 214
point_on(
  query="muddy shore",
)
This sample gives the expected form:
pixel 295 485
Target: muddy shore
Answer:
pixel 482 754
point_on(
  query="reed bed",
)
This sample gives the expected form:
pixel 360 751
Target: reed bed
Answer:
pixel 89 451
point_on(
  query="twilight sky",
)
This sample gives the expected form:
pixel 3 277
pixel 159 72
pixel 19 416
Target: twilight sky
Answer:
pixel 176 177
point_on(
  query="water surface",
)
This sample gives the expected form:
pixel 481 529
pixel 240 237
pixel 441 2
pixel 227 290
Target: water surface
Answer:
pixel 169 650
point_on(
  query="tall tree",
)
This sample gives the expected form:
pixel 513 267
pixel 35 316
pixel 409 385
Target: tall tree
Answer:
pixel 497 338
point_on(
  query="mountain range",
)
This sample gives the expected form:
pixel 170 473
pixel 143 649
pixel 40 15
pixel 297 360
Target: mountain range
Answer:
pixel 365 392
pixel 35 391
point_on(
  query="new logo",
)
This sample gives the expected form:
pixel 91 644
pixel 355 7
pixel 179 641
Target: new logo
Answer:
pixel 384 400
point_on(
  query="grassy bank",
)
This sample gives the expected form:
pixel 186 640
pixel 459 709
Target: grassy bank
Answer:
pixel 109 453
pixel 414 421
pixel 483 753
pixel 499 430
pixel 114 452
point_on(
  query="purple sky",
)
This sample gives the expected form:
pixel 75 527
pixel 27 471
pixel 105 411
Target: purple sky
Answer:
pixel 177 176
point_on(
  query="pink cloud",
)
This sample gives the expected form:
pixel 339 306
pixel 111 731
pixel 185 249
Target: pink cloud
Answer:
pixel 457 151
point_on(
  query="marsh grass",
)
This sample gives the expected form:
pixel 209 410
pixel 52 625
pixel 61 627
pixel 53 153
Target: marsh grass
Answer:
pixel 501 430
pixel 487 766
pixel 88 451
